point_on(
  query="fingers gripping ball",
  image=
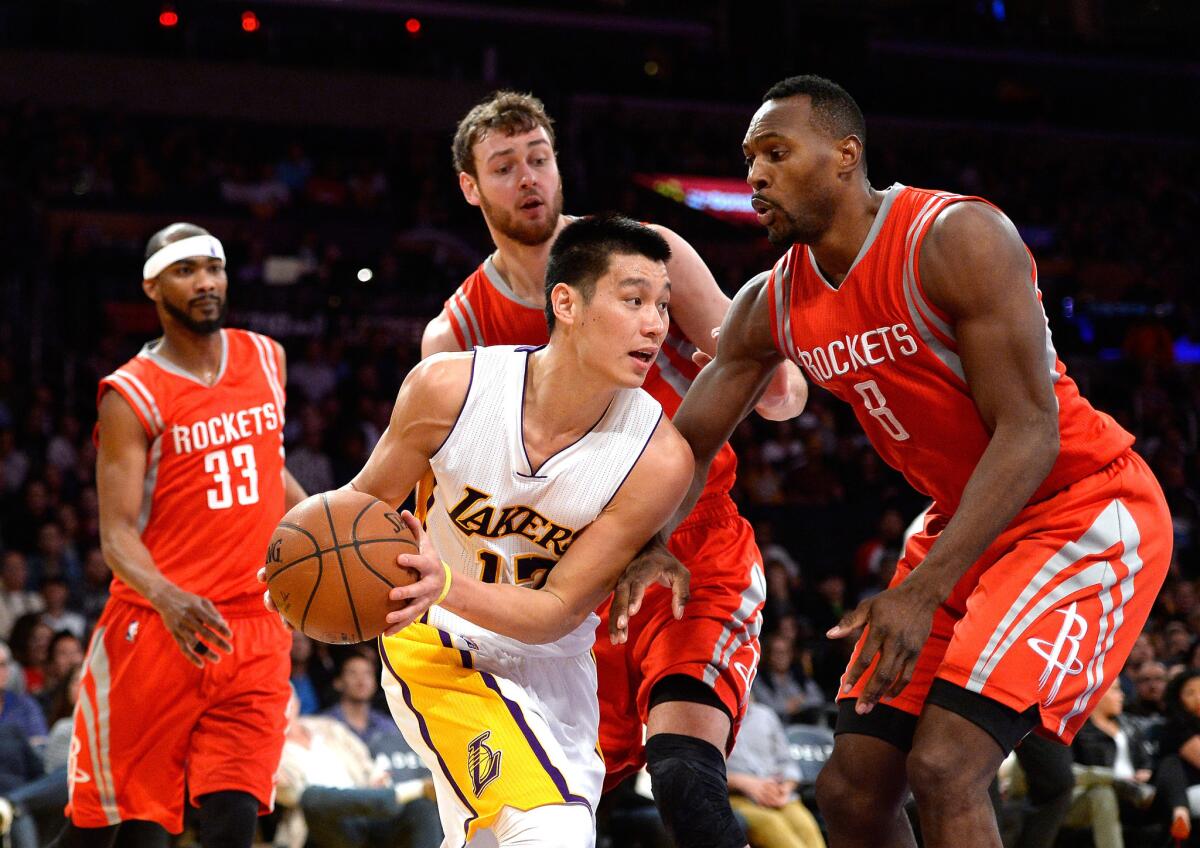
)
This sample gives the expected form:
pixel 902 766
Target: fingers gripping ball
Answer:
pixel 332 561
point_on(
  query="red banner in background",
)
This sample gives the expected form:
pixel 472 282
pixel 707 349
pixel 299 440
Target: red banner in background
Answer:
pixel 725 198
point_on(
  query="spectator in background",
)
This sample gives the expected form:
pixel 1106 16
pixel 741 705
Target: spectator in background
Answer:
pixel 16 598
pixel 14 463
pixel 1142 652
pixel 782 685
pixel 1150 682
pixel 302 682
pixel 308 462
pixel 18 709
pixel 64 655
pixel 30 645
pixel 356 682
pixel 56 592
pixel 1177 644
pixel 762 784
pixel 19 765
pixel 96 579
pixel 55 557
pixel 1178 774
pixel 876 558
pixel 1113 771
pixel 346 800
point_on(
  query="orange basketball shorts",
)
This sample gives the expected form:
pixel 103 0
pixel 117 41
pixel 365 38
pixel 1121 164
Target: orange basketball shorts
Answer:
pixel 715 642
pixel 150 726
pixel 1048 614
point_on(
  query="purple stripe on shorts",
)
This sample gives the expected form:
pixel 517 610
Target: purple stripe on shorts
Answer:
pixel 518 716
pixel 429 741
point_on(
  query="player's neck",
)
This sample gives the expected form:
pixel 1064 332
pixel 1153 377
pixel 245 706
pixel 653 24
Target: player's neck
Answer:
pixel 563 400
pixel 837 249
pixel 197 353
pixel 523 266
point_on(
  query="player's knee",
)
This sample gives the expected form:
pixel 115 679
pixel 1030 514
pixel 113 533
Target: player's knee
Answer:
pixel 691 789
pixel 837 795
pixel 227 819
pixel 941 775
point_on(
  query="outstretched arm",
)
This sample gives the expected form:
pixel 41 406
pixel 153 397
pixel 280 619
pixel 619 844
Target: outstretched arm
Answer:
pixel 699 307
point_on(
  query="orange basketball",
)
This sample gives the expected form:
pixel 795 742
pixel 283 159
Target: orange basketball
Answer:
pixel 332 562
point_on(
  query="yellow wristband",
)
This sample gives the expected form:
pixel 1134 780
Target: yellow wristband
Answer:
pixel 446 585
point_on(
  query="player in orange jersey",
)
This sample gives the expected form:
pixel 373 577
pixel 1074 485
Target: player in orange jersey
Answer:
pixel 685 681
pixel 186 680
pixel 1049 537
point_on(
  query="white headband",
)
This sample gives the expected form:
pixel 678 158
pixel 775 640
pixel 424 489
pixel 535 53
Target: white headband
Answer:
pixel 186 248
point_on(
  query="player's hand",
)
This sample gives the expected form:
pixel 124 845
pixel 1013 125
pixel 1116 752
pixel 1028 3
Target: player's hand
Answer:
pixel 194 623
pixel 653 564
pixel 422 594
pixel 700 357
pixel 898 622
pixel 267 600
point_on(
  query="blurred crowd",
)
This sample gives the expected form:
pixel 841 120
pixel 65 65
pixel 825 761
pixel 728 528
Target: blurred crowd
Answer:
pixel 302 214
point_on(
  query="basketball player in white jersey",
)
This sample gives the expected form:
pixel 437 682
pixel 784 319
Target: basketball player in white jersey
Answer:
pixel 488 667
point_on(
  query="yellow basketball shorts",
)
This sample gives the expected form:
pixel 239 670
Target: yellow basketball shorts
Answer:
pixel 507 737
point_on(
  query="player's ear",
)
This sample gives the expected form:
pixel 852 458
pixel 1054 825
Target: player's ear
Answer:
pixel 564 301
pixel 850 154
pixel 470 188
pixel 150 287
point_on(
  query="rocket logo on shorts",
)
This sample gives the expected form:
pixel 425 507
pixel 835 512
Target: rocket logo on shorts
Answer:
pixel 482 762
pixel 1074 628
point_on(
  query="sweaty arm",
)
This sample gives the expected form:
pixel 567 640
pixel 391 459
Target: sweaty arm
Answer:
pixel 120 479
pixel 974 266
pixel 699 306
pixel 586 573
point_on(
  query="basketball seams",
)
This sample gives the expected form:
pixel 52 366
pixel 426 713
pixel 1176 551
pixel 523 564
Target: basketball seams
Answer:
pixel 356 543
pixel 337 549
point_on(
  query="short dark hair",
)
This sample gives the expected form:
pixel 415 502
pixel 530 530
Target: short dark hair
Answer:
pixel 580 255
pixel 508 112
pixel 170 233
pixel 834 111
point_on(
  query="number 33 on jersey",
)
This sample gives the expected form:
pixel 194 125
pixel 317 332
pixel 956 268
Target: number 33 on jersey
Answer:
pixel 214 468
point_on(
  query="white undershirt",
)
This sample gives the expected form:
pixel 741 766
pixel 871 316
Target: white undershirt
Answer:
pixel 1123 765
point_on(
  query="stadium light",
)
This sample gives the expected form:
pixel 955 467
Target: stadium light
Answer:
pixel 250 21
pixel 168 17
pixel 413 26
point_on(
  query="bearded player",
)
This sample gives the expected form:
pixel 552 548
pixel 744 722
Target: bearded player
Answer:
pixel 1048 539
pixel 186 680
pixel 684 680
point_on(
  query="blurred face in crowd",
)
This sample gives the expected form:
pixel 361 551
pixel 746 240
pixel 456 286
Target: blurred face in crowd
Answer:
pixel 301 648
pixel 1112 702
pixel 517 185
pixel 794 169
pixel 1179 640
pixel 780 654
pixel 6 661
pixel 55 593
pixel 16 571
pixel 1151 682
pixel 1142 652
pixel 357 680
pixel 65 653
pixel 1189 696
pixel 39 644
pixel 95 569
pixel 191 293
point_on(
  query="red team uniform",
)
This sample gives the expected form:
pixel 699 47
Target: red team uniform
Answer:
pixel 148 719
pixel 1048 614
pixel 717 640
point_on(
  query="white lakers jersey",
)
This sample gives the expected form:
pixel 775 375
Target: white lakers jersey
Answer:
pixel 498 519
